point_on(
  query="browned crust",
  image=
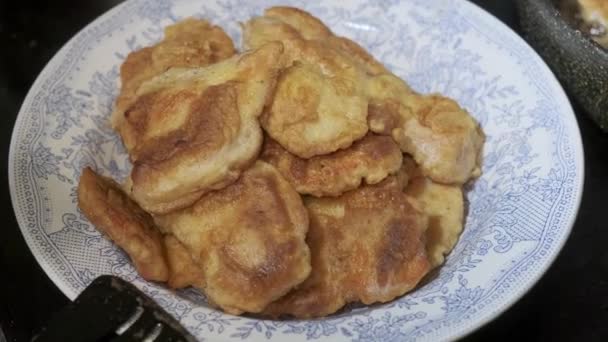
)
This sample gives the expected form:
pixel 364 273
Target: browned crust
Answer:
pixel 306 24
pixel 367 245
pixel 189 43
pixel 369 159
pixel 249 239
pixel 124 222
pixel 183 270
pixel 356 51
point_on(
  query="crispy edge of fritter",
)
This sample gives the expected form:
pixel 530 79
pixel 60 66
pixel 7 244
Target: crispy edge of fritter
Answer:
pixel 444 206
pixel 444 139
pixel 118 217
pixel 369 160
pixel 309 26
pixel 183 270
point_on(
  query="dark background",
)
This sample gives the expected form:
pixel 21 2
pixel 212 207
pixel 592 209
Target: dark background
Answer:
pixel 569 303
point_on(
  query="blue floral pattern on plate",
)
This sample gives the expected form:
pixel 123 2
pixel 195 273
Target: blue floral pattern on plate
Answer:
pixel 520 211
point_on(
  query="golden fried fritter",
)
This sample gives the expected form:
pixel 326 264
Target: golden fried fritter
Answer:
pixel 124 222
pixel 441 136
pixel 357 52
pixel 372 159
pixel 444 206
pixel 249 239
pixel 308 26
pixel 189 43
pixel 194 130
pixel 282 23
pixel 311 28
pixel 319 105
pixel 263 30
pixel 183 270
pixel 155 257
pixel 366 245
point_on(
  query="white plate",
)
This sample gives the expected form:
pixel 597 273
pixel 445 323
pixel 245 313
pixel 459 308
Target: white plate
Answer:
pixel 520 213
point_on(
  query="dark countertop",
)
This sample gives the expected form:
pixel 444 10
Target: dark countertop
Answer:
pixel 569 303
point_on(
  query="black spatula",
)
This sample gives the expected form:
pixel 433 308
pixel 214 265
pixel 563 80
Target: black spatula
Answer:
pixel 111 309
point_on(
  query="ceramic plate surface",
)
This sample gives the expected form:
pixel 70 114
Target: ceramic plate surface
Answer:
pixel 520 211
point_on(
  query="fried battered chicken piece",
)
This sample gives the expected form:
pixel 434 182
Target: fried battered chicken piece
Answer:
pixel 370 159
pixel 366 245
pixel 113 213
pixel 444 206
pixel 194 130
pixel 282 23
pixel 124 222
pixel 248 238
pixel 441 136
pixel 356 51
pixel 262 30
pixel 189 43
pixel 319 105
pixel 308 26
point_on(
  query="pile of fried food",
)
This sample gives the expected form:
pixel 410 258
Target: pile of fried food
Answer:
pixel 290 179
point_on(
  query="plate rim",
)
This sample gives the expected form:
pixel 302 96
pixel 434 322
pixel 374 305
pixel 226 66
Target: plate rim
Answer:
pixel 19 122
pixel 517 295
pixel 455 333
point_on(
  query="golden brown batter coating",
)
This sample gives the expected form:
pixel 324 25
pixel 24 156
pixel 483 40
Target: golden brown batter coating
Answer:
pixel 283 23
pixel 366 245
pixel 319 105
pixel 308 26
pixel 124 222
pixel 441 136
pixel 357 52
pixel 183 270
pixel 191 113
pixel 194 130
pixel 444 206
pixel 249 239
pixel 262 30
pixel 189 43
pixel 370 159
